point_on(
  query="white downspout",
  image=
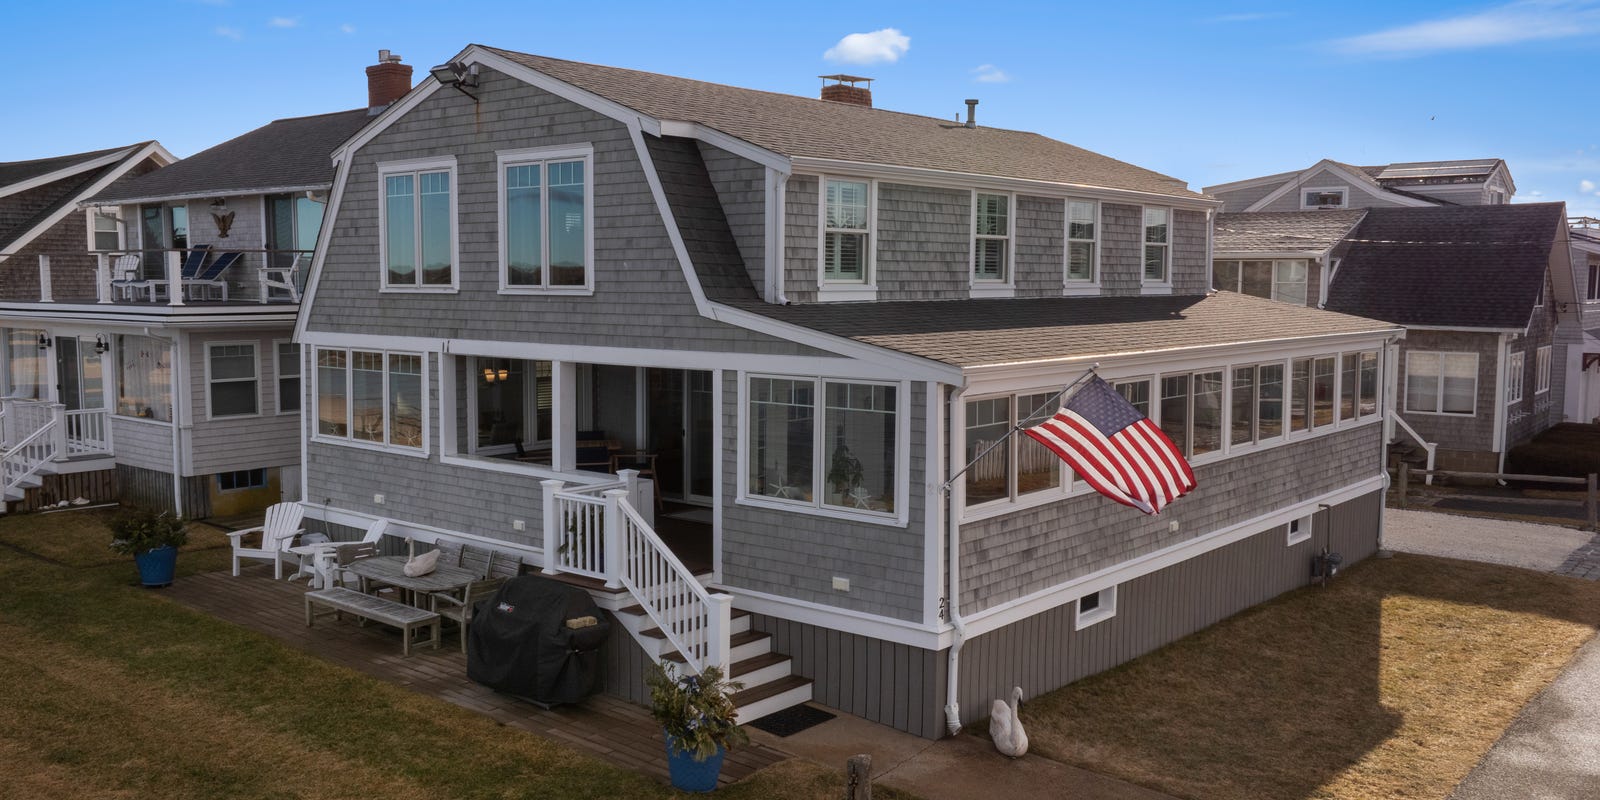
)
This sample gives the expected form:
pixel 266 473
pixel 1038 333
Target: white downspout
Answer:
pixel 177 464
pixel 952 709
pixel 1501 413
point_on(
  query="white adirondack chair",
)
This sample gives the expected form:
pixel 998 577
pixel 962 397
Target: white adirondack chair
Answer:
pixel 336 555
pixel 277 536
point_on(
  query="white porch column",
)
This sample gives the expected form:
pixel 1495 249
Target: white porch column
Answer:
pixel 552 526
pixel 721 633
pixel 102 278
pixel 564 417
pixel 58 433
pixel 612 544
pixel 174 263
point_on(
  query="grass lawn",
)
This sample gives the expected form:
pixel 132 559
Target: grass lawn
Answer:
pixel 1390 683
pixel 114 692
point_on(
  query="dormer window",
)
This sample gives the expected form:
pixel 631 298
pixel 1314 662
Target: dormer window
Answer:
pixel 1323 198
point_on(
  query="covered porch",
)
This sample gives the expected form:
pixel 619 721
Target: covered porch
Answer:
pixel 54 406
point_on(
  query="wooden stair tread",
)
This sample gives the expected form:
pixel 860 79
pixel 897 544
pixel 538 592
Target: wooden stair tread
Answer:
pixel 638 611
pixel 754 663
pixel 735 641
pixel 756 694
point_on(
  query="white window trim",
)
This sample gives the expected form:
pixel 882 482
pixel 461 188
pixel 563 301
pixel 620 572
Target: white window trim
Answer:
pixel 266 480
pixel 255 349
pixel 1541 374
pixel 416 167
pixel 1592 293
pixel 1106 610
pixel 1477 377
pixel 847 290
pixel 1006 287
pixel 1516 368
pixel 1013 501
pixel 1147 284
pixel 1079 286
pixel 278 377
pixel 541 155
pixel 1306 285
pixel 348 440
pixel 1299 530
pixel 122 230
pixel 902 457
pixel 1342 191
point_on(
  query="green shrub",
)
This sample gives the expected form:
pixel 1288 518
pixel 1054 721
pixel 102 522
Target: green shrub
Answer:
pixel 139 529
pixel 694 709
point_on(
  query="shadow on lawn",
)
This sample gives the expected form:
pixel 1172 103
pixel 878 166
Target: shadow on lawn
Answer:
pixel 1390 681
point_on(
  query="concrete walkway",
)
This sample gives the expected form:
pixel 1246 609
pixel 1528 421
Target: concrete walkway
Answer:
pixel 1496 541
pixel 1552 749
pixel 954 768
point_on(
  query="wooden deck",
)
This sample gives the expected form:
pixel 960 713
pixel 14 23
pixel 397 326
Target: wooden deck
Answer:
pixel 611 729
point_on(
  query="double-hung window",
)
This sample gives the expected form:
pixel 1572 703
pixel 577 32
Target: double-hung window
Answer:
pixel 1083 226
pixel 418 241
pixel 1442 383
pixel 824 444
pixel 370 396
pixel 288 354
pixel 1541 370
pixel 546 212
pixel 233 376
pixel 1515 367
pixel 1289 281
pixel 105 229
pixel 991 238
pixel 1011 466
pixel 1157 244
pixel 847 231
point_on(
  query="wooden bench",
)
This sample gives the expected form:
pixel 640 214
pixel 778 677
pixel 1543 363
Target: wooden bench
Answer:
pixel 366 606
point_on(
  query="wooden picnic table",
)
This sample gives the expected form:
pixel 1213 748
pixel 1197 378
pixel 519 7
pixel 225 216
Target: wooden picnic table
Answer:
pixel 390 570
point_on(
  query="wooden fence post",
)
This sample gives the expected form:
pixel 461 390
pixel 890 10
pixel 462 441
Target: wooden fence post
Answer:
pixel 858 771
pixel 1405 481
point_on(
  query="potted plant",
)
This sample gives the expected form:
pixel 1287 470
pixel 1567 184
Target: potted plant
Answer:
pixel 152 538
pixel 698 718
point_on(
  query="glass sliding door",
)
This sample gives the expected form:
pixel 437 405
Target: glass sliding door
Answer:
pixel 680 412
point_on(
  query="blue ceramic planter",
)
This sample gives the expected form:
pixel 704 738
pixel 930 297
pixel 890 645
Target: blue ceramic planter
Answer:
pixel 691 775
pixel 157 566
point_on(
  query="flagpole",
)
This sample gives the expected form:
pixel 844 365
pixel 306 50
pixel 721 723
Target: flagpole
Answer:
pixel 945 487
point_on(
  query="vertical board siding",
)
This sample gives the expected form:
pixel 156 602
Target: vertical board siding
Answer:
pixel 640 299
pixel 741 186
pixel 1043 652
pixel 150 488
pixel 1016 554
pixel 99 486
pixel 882 681
pixel 924 241
pixel 795 554
pixel 1040 257
pixel 225 444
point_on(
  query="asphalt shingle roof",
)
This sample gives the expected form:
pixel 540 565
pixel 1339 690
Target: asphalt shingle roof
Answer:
pixel 69 189
pixel 285 154
pixel 988 332
pixel 1284 231
pixel 803 126
pixel 19 171
pixel 1451 266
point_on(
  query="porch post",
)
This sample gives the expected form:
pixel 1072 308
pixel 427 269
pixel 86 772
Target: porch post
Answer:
pixel 552 526
pixel 612 543
pixel 102 279
pixel 564 417
pixel 8 420
pixel 44 279
pixel 721 633
pixel 58 434
pixel 630 479
pixel 174 263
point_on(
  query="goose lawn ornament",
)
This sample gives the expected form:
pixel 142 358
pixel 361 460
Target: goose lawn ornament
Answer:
pixel 1005 726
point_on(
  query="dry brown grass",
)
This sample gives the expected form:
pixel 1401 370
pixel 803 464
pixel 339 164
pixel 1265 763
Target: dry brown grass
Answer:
pixel 1391 683
pixel 80 538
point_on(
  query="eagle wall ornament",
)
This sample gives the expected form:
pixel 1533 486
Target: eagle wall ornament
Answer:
pixel 222 217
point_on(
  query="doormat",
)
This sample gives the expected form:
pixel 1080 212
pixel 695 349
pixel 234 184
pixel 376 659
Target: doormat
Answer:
pixel 792 720
pixel 697 515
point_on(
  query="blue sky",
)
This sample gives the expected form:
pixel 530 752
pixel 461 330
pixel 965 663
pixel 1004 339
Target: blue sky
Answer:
pixel 1207 92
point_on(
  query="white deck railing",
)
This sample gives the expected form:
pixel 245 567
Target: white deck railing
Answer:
pixel 88 432
pixel 30 452
pixel 593 530
pixel 1429 447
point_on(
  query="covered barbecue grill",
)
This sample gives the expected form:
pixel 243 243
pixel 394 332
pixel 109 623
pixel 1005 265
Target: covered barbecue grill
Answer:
pixel 538 639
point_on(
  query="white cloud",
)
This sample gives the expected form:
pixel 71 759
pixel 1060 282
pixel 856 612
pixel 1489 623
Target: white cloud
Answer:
pixel 228 33
pixel 887 45
pixel 1513 23
pixel 1585 186
pixel 989 73
pixel 347 28
pixel 1251 16
pixel 284 22
pixel 1536 193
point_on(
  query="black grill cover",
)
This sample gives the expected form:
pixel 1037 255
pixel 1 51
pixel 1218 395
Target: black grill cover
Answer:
pixel 519 642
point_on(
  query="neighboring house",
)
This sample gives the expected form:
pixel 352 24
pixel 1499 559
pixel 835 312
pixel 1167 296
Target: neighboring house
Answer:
pixel 1583 357
pixel 185 399
pixel 1288 256
pixel 1329 184
pixel 801 317
pixel 1479 291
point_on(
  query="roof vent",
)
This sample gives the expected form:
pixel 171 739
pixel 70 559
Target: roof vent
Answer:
pixel 972 113
pixel 387 81
pixel 845 90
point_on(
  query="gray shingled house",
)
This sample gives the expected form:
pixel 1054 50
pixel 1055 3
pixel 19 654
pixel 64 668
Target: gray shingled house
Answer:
pixel 711 352
pixel 1583 355
pixel 119 387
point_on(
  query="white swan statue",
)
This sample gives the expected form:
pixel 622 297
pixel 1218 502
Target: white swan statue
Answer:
pixel 1005 726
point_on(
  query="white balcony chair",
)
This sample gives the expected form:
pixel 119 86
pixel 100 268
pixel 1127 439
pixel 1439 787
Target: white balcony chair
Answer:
pixel 280 278
pixel 125 276
pixel 277 536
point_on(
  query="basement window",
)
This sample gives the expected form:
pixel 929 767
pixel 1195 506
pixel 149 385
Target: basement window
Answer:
pixel 242 479
pixel 1299 530
pixel 1097 607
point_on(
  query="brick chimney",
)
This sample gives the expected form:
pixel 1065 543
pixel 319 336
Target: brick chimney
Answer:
pixel 845 89
pixel 387 81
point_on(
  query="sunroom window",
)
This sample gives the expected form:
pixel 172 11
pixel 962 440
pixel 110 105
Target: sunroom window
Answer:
pixel 851 425
pixel 369 396
pixel 1011 466
pixel 144 378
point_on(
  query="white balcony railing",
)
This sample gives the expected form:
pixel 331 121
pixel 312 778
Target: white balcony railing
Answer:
pixel 88 432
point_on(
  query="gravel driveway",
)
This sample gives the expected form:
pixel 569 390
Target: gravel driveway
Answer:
pixel 1496 541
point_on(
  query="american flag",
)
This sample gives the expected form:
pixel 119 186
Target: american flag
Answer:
pixel 1115 449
